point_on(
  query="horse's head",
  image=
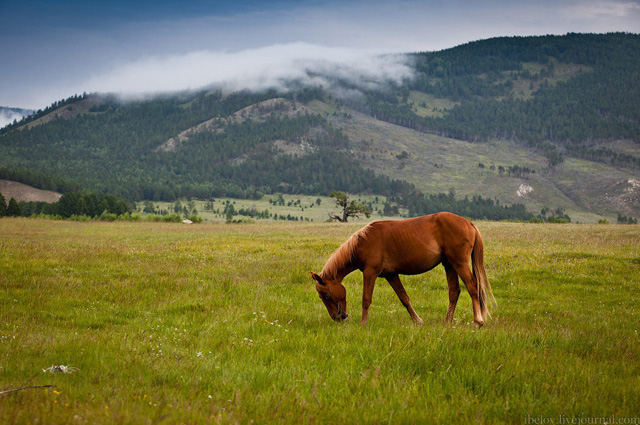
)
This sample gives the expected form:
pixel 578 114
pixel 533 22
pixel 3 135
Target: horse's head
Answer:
pixel 334 296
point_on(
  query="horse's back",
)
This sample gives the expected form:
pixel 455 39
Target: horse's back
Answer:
pixel 417 244
pixel 441 227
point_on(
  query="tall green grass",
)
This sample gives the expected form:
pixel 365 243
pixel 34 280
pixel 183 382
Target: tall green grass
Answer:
pixel 169 323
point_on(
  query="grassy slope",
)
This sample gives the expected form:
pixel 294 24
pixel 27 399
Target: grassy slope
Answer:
pixel 220 324
pixel 437 164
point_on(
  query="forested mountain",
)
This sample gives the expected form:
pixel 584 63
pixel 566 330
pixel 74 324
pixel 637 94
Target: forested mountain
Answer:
pixel 114 148
pixel 570 92
pixel 536 114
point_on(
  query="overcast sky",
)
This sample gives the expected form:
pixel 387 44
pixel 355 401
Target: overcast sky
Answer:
pixel 50 50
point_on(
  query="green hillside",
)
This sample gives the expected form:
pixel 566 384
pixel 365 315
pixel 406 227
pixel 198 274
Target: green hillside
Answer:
pixel 547 122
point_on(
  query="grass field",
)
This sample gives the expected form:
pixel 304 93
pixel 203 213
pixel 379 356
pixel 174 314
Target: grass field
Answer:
pixel 213 323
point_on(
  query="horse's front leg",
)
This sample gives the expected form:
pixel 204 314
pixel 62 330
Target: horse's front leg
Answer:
pixel 397 286
pixel 454 290
pixel 368 283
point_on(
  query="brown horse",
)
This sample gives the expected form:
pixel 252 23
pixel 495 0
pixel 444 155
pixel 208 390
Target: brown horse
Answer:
pixel 412 246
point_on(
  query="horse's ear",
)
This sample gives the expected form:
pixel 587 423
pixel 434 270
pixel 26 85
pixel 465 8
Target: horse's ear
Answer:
pixel 317 279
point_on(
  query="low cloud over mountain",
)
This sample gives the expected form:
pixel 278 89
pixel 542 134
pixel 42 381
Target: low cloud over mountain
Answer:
pixel 7 115
pixel 259 69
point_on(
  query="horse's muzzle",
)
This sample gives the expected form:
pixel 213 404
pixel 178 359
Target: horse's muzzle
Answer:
pixel 340 317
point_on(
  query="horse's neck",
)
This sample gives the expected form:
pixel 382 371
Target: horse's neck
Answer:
pixel 339 273
pixel 346 270
pixel 343 261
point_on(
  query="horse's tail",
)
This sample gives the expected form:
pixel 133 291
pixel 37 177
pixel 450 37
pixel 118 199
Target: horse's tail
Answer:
pixel 484 287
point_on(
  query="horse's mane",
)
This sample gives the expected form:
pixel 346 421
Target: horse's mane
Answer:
pixel 344 255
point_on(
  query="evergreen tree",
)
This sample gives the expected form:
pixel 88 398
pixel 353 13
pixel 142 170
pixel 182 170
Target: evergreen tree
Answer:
pixel 149 208
pixel 177 207
pixel 229 212
pixel 3 206
pixel 13 209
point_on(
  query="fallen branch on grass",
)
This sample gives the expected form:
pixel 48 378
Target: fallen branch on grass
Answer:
pixel 52 369
pixel 24 388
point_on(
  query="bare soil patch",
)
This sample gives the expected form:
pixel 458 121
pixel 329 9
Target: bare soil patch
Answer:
pixel 23 192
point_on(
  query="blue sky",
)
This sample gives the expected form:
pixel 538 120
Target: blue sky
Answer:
pixel 53 49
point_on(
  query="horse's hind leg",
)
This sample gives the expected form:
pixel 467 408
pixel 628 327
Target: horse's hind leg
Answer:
pixel 454 290
pixel 463 270
pixel 397 286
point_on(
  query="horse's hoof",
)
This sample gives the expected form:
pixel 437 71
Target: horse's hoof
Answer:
pixel 477 324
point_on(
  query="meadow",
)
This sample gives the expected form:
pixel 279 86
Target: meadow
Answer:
pixel 301 207
pixel 214 323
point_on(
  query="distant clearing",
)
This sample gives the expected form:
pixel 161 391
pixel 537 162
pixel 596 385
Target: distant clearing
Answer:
pixel 23 192
pixel 428 105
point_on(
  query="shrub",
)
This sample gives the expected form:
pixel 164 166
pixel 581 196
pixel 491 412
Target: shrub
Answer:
pixel 172 218
pixel 195 218
pixel 76 217
pixel 553 219
pixel 106 216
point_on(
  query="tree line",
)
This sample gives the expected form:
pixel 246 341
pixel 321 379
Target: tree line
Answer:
pixel 70 204
pixel 39 180
pixel 475 207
